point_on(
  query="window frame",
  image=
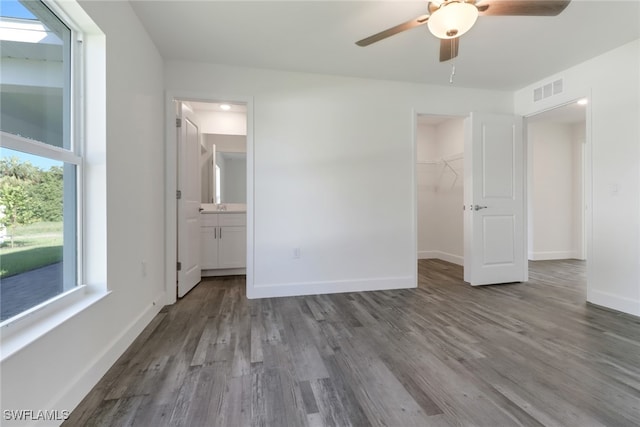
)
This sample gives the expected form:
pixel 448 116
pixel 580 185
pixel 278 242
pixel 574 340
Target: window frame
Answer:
pixel 73 134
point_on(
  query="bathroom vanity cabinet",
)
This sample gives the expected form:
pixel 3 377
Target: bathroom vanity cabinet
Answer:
pixel 224 243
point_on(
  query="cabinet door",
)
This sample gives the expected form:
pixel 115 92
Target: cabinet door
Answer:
pixel 233 247
pixel 209 248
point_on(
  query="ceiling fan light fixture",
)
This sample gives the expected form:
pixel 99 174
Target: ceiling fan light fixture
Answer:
pixel 452 19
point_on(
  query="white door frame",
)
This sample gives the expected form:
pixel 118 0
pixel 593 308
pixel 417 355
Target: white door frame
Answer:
pixel 170 184
pixel 587 175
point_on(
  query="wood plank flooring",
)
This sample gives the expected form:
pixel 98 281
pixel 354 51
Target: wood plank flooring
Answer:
pixel 444 354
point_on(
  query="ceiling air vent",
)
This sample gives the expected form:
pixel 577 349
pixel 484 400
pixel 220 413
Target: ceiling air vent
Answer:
pixel 548 90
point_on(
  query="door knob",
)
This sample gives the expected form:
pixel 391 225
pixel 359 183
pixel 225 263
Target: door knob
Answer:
pixel 478 207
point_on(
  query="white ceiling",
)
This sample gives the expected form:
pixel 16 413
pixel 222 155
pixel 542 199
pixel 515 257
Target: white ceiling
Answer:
pixel 319 36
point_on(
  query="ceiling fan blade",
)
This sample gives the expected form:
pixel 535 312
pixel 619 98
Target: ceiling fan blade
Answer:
pixel 420 20
pixel 522 7
pixel 449 48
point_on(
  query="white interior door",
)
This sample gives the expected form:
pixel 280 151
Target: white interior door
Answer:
pixel 494 223
pixel 189 183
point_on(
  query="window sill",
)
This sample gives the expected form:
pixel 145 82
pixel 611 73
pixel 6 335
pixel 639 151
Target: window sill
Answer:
pixel 22 330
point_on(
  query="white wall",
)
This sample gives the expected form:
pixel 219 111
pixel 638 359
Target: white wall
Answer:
pixel 555 187
pixel 427 176
pixel 225 123
pixel 57 370
pixel 450 136
pixel 440 192
pixel 578 140
pixel 226 143
pixel 334 172
pixel 611 81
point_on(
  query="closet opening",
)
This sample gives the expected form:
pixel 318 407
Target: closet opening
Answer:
pixel 440 185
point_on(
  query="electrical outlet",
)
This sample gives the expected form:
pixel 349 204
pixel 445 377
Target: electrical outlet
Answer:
pixel 297 253
pixel 143 267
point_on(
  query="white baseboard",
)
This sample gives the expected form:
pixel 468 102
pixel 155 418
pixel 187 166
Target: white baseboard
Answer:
pixel 455 259
pixel 223 272
pixel 331 287
pixel 615 302
pixel 82 384
pixel 427 254
pixel 551 255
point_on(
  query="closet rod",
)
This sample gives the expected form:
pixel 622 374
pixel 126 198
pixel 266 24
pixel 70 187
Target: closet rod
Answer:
pixel 429 162
pixel 451 158
pixel 446 162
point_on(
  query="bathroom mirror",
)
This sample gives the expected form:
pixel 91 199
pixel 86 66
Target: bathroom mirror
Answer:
pixel 224 169
pixel 230 181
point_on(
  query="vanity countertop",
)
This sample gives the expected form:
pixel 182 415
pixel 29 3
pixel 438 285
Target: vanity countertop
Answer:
pixel 212 208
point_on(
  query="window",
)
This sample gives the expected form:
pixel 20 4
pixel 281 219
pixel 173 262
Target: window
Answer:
pixel 40 157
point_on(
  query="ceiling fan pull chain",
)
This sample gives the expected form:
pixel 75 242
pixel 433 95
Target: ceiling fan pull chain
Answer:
pixel 453 73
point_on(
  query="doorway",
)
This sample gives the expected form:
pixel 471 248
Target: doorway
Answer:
pixel 440 185
pixel 557 171
pixel 222 122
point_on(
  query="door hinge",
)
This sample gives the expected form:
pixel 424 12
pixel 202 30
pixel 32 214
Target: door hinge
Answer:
pixel 178 194
pixel 179 266
pixel 178 122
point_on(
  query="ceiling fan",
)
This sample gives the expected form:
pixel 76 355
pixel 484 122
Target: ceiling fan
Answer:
pixel 449 19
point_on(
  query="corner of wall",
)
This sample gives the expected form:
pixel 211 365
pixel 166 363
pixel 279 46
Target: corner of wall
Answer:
pixel 615 302
pixel 84 381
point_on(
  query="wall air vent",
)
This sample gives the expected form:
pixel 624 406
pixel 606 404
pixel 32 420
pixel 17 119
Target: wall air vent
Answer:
pixel 537 94
pixel 547 90
pixel 557 87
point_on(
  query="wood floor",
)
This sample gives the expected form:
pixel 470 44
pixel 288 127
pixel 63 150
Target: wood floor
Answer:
pixel 444 354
